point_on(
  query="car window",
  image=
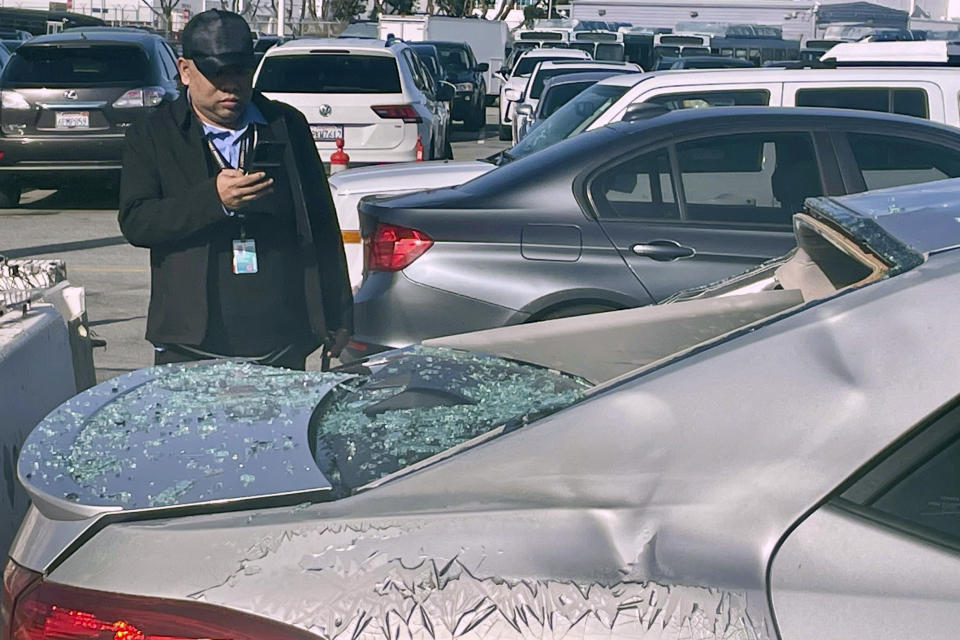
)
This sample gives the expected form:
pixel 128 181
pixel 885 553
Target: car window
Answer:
pixel 329 73
pixel 526 64
pixel 908 102
pixel 542 75
pixel 640 189
pixel 559 95
pixel 700 99
pixel 889 161
pixel 749 178
pixel 67 65
pixel 916 486
pixel 419 77
pixel 570 119
pixel 169 60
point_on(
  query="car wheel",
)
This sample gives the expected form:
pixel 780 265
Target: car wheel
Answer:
pixel 573 310
pixel 505 133
pixel 447 150
pixel 9 195
pixel 475 121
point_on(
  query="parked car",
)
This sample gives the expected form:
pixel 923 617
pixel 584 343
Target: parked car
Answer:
pixel 529 94
pixel 486 39
pixel 806 492
pixel 376 96
pixel 68 99
pixel 430 57
pixel 920 92
pixel 265 42
pixel 463 71
pixel 515 78
pixel 557 91
pixel 518 244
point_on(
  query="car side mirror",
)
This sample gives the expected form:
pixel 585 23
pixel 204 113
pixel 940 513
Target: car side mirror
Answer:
pixel 483 67
pixel 525 109
pixel 512 95
pixel 504 71
pixel 445 92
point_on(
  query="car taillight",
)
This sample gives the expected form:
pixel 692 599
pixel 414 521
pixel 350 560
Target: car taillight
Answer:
pixel 392 247
pixel 16 580
pixel 51 611
pixel 146 97
pixel 403 112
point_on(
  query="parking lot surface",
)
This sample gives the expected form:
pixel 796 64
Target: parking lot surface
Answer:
pixel 78 224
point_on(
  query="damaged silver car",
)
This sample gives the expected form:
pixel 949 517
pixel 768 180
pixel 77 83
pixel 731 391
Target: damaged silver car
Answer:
pixel 775 455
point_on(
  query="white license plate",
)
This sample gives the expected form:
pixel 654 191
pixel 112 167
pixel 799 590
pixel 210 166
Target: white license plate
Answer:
pixel 73 119
pixel 326 132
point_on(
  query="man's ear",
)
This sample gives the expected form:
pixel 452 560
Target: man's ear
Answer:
pixel 184 67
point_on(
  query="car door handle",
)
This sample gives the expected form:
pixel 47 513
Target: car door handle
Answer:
pixel 663 250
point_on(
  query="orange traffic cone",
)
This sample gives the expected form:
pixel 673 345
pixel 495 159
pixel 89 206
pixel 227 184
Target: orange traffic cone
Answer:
pixel 338 159
pixel 419 149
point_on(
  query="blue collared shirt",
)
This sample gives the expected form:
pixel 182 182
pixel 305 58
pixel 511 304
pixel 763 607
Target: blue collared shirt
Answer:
pixel 227 141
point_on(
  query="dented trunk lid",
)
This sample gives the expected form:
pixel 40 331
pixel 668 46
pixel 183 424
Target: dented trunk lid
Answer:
pixel 225 434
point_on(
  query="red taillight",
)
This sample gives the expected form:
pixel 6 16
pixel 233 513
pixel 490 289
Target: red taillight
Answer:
pixel 403 112
pixel 16 580
pixel 50 611
pixel 392 247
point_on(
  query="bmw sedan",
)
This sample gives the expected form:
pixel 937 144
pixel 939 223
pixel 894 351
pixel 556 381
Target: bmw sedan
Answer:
pixel 622 216
pixel 774 456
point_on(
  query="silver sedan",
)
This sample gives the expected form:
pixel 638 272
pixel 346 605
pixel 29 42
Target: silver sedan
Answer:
pixel 775 455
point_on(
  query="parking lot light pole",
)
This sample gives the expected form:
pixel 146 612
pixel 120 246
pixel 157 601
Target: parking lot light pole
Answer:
pixel 280 13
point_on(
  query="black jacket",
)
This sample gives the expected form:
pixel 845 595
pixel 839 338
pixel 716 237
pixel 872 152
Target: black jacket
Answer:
pixel 169 202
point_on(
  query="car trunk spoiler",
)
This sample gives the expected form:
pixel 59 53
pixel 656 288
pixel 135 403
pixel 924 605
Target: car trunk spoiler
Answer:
pixel 171 437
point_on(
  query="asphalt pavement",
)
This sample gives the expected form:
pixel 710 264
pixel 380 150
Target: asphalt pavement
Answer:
pixel 79 226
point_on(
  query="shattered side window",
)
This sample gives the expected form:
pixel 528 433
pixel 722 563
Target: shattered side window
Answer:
pixel 424 401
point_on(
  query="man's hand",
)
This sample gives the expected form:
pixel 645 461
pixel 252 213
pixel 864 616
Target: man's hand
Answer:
pixel 238 189
pixel 336 342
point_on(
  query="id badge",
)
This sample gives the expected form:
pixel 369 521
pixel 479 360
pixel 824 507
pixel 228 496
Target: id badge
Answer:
pixel 244 256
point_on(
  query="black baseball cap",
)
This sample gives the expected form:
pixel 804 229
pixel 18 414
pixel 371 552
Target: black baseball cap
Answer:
pixel 216 40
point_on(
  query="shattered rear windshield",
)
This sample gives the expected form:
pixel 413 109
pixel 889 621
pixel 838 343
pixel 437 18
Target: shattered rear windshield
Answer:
pixel 423 401
pixel 223 430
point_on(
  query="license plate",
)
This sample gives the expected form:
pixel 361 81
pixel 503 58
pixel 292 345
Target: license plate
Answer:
pixel 326 132
pixel 73 119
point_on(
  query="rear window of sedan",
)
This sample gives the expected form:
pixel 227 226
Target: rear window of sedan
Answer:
pixel 329 73
pixel 73 65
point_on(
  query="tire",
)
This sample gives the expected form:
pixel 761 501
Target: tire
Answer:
pixel 505 133
pixel 476 120
pixel 9 195
pixel 574 310
pixel 447 150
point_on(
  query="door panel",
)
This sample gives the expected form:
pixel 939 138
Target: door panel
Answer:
pixel 738 197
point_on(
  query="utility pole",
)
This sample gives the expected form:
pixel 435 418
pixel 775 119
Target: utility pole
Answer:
pixel 281 12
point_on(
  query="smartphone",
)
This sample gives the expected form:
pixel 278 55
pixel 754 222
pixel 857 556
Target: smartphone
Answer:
pixel 267 157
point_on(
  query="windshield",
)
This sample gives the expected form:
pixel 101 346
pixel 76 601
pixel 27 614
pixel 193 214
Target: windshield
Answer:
pixel 329 73
pixel 527 63
pixel 43 65
pixel 570 119
pixel 453 58
pixel 558 96
pixel 545 74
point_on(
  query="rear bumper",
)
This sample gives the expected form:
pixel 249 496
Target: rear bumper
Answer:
pixel 47 160
pixel 464 104
pixel 390 311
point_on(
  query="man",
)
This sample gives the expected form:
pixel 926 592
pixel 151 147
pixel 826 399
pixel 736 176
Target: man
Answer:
pixel 242 263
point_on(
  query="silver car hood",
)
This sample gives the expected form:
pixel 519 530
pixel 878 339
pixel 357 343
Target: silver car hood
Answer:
pixel 407 176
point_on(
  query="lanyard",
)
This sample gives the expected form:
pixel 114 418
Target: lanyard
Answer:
pixel 248 140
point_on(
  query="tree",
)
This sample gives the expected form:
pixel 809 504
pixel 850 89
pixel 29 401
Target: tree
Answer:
pixel 399 6
pixel 343 10
pixel 165 13
pixel 505 9
pixel 456 8
pixel 532 12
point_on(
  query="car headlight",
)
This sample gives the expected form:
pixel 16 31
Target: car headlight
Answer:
pixel 464 86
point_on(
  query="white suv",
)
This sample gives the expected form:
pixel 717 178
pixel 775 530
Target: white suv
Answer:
pixel 376 95
pixel 512 89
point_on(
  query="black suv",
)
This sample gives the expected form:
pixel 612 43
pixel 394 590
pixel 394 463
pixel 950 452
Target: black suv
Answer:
pixel 67 100
pixel 461 70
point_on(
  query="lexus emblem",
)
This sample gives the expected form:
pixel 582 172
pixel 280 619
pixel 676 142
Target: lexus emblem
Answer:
pixel 70 94
pixel 325 110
